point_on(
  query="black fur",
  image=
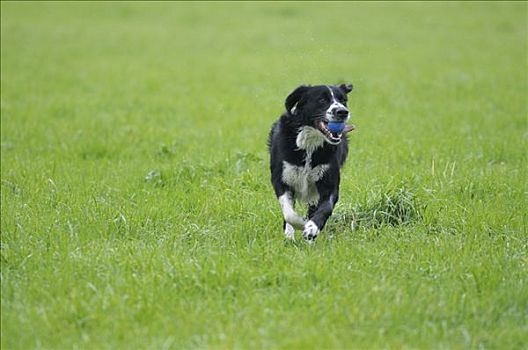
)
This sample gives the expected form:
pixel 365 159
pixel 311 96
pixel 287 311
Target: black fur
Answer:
pixel 309 103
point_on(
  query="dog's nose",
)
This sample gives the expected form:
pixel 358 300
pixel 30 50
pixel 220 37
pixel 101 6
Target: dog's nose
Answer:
pixel 341 113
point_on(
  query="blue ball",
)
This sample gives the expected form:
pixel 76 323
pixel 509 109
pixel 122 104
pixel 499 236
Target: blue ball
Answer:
pixel 336 126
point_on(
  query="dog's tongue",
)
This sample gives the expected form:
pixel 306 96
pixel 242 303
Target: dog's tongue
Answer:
pixel 349 128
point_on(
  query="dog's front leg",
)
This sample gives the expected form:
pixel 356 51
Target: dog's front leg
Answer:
pixel 292 219
pixel 318 218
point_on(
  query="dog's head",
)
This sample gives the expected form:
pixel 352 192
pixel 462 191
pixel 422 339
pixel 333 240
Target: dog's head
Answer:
pixel 316 106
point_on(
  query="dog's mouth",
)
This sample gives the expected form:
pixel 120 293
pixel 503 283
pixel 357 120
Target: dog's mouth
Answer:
pixel 332 137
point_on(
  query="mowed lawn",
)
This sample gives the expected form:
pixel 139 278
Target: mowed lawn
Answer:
pixel 136 207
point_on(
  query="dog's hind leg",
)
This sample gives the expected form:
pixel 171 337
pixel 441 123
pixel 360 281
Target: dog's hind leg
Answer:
pixel 289 231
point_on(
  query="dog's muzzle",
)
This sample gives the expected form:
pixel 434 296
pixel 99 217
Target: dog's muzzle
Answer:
pixel 339 114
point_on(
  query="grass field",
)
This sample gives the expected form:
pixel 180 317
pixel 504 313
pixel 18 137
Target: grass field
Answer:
pixel 136 205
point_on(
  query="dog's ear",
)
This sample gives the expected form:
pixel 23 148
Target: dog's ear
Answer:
pixel 346 88
pixel 295 97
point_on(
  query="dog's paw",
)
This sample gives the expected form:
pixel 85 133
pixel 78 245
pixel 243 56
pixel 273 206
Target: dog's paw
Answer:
pixel 289 232
pixel 310 231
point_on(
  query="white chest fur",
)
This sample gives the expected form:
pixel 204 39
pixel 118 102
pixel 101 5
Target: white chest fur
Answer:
pixel 309 139
pixel 302 179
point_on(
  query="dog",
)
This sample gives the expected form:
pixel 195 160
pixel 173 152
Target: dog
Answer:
pixel 306 157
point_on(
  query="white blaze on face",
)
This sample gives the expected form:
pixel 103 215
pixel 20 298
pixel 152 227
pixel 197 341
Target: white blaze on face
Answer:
pixel 334 105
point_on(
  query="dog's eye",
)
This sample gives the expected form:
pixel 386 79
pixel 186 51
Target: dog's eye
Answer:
pixel 322 100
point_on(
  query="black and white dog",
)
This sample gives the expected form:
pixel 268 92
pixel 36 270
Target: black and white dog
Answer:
pixel 306 157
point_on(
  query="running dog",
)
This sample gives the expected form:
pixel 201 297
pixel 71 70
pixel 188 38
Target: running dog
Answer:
pixel 306 156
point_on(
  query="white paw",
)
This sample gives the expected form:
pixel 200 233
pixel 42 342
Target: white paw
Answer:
pixel 310 231
pixel 289 232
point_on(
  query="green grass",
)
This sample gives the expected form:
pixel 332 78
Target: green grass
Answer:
pixel 136 205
